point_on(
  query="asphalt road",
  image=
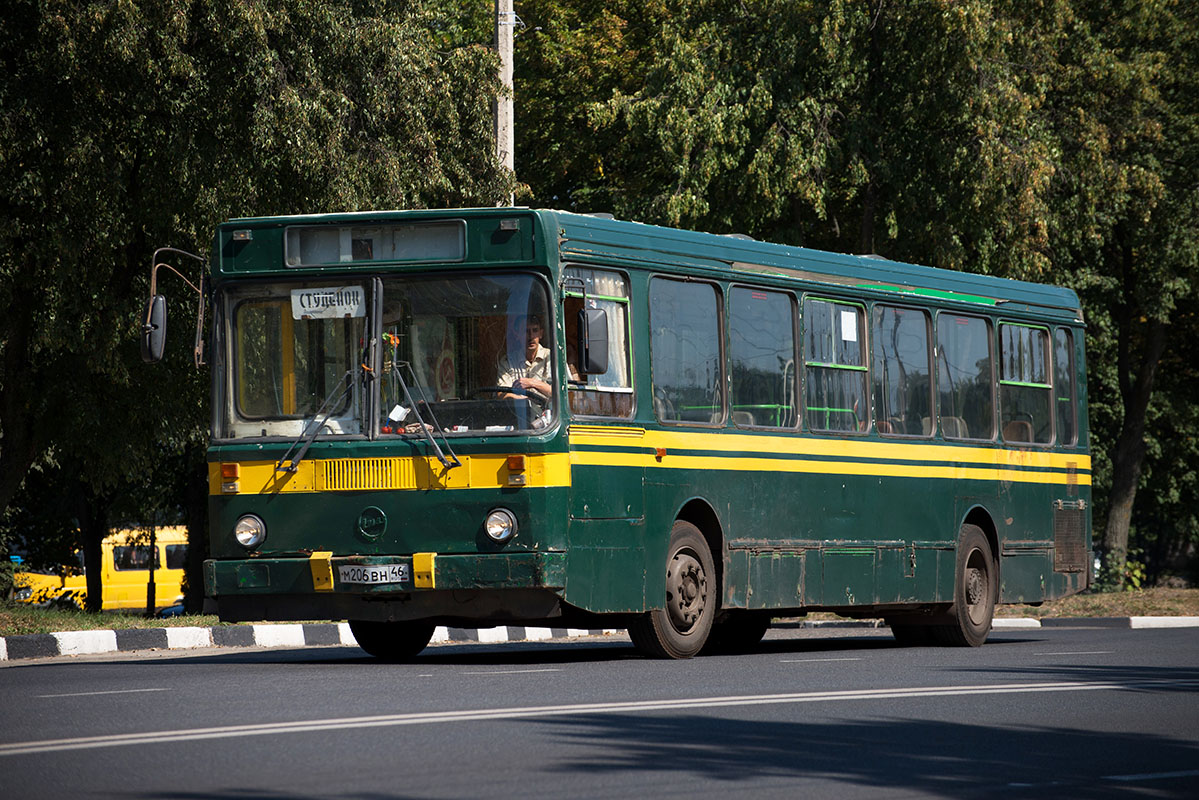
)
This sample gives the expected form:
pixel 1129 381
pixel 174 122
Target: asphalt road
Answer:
pixel 1045 713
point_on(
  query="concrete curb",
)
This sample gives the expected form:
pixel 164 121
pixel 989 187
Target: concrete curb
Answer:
pixel 73 643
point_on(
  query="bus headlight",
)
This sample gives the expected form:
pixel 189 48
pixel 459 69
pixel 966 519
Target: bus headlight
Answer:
pixel 500 525
pixel 250 531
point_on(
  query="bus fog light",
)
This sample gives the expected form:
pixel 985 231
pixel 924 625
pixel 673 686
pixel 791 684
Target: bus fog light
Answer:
pixel 250 531
pixel 500 525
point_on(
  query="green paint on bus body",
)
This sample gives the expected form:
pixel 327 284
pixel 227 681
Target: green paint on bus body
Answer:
pixel 787 541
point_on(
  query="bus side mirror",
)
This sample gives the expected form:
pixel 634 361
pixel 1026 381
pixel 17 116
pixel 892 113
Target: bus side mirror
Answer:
pixel 593 341
pixel 154 330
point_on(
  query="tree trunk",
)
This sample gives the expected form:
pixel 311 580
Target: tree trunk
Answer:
pixel 1128 454
pixel 197 531
pixel 93 525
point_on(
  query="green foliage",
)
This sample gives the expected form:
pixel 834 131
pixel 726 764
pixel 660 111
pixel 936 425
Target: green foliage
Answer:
pixel 127 125
pixel 1054 140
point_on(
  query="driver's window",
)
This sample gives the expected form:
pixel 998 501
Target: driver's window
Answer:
pixel 609 394
pixel 473 352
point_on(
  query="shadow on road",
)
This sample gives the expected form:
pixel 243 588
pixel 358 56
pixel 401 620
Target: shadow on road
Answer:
pixel 932 758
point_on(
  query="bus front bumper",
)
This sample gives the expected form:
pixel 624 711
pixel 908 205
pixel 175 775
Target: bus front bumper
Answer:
pixel 384 575
pixel 470 590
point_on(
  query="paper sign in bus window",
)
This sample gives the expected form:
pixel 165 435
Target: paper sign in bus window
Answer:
pixel 849 326
pixel 328 302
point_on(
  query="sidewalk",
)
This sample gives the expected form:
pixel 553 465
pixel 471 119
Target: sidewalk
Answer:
pixel 74 643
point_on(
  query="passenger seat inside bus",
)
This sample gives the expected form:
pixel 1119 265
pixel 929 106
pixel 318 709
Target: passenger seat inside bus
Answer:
pixel 1017 430
pixel 951 427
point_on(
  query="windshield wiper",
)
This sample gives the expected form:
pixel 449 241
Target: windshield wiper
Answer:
pixel 307 436
pixel 425 429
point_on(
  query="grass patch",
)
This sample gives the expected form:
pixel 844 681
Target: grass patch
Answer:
pixel 20 618
pixel 1141 603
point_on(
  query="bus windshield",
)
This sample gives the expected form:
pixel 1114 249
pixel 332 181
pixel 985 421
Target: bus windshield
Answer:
pixel 475 352
pixel 461 354
pixel 293 348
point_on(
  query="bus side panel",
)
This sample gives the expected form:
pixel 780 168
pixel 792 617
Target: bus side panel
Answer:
pixel 761 580
pixel 606 565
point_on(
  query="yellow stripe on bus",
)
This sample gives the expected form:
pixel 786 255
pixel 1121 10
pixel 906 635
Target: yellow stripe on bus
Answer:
pixel 676 449
pixel 794 445
pixel 639 448
pixel 406 473
pixel 859 468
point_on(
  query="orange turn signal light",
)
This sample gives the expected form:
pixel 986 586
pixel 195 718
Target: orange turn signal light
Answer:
pixel 230 472
pixel 516 463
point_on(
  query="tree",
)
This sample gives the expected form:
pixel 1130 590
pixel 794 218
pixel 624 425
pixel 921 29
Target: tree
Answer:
pixel 1124 109
pixel 126 125
pixel 1052 140
pixel 897 129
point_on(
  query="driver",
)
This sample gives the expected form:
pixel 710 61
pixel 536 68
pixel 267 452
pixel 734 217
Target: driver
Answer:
pixel 530 369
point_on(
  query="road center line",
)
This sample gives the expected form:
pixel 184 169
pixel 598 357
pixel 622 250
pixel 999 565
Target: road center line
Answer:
pixel 1079 653
pixel 511 671
pixel 813 660
pixel 94 694
pixel 576 709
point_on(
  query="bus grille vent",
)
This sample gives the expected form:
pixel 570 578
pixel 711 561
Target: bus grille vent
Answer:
pixel 347 474
pixel 1069 547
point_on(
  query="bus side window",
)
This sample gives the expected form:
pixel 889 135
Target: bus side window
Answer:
pixel 609 394
pixel 1063 387
pixel 685 351
pixel 176 556
pixel 903 386
pixel 126 557
pixel 1024 384
pixel 762 358
pixel 965 380
pixel 835 366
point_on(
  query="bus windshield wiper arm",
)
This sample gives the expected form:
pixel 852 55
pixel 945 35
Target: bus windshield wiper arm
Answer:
pixel 425 429
pixel 307 436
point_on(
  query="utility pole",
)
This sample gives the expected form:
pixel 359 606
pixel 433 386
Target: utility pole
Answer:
pixel 505 27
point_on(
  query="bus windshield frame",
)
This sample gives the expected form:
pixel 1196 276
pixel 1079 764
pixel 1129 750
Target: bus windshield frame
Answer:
pixel 475 349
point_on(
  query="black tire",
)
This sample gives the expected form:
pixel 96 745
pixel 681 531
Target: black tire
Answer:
pixel 737 632
pixel 392 641
pixel 975 592
pixel 681 627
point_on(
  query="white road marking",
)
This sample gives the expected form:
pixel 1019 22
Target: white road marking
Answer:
pixel 511 671
pixel 813 660
pixel 1153 776
pixel 93 694
pixel 1079 653
pixel 577 709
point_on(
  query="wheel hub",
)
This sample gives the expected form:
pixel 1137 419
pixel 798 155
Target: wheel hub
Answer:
pixel 975 586
pixel 686 591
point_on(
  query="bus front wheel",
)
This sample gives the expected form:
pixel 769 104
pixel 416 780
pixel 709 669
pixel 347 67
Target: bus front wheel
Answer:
pixel 680 629
pixel 391 641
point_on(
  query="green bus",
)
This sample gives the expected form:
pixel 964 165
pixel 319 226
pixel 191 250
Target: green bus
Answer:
pixel 480 417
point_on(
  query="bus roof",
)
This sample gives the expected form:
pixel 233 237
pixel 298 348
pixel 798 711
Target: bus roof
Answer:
pixel 588 238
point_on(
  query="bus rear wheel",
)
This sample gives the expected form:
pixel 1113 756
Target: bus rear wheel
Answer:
pixel 680 629
pixel 392 641
pixel 975 592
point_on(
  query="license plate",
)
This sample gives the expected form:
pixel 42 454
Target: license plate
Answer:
pixel 373 574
